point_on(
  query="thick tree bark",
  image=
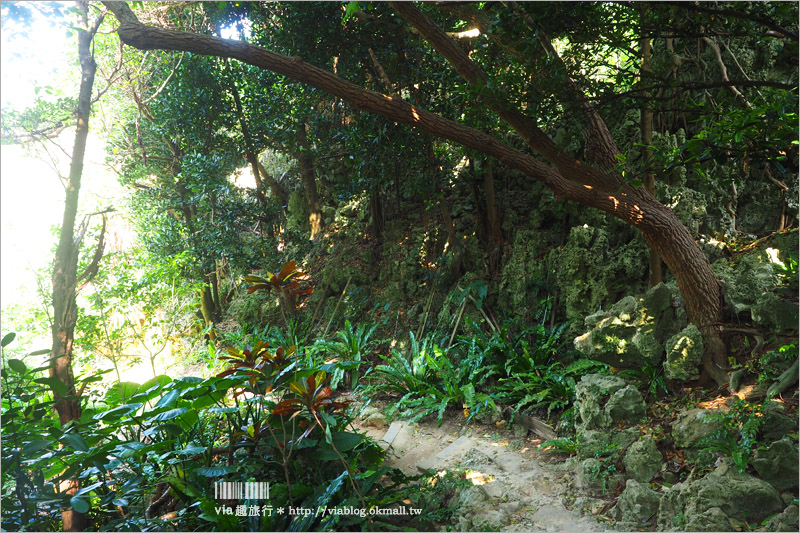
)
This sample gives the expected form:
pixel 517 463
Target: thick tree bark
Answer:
pixel 568 178
pixel 65 269
pixel 309 178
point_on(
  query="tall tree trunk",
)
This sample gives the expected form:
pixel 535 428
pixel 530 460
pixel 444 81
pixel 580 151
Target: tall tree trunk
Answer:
pixel 309 178
pixel 568 178
pixel 275 186
pixel 65 269
pixel 646 122
pixel 250 153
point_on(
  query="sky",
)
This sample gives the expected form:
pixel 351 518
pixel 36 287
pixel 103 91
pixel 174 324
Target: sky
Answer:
pixel 41 54
pixel 31 193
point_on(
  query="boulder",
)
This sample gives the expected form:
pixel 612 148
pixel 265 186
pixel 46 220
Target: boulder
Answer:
pixel 658 299
pixel 593 443
pixel 786 521
pixel 775 424
pixel 774 313
pixel 594 477
pixel 643 460
pixel 623 438
pixel 610 342
pixel 684 354
pixel 632 331
pixel 713 519
pixel 374 418
pixel 638 503
pixel 689 505
pixel 627 405
pixel 472 498
pixel 692 426
pixel 777 464
pixel 738 495
pixel 591 394
pixel 647 345
pixel 490 415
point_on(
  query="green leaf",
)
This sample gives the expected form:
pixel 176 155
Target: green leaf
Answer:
pixel 16 365
pixel 120 393
pixel 7 339
pixel 90 488
pixel 350 11
pixel 214 471
pixel 43 351
pixel 119 412
pixel 79 504
pixel 55 384
pixel 159 381
pixel 169 398
pixel 344 440
pixel 35 446
pixel 169 415
pixel 77 442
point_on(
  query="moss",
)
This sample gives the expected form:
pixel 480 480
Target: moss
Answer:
pixel 684 354
pixel 592 273
pixel 297 217
pixel 523 286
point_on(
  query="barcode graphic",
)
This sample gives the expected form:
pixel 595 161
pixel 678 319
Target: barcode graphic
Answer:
pixel 237 490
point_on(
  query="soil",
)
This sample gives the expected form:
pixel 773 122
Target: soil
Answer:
pixel 526 489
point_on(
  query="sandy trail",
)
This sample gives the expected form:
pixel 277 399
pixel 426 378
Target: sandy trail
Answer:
pixel 520 487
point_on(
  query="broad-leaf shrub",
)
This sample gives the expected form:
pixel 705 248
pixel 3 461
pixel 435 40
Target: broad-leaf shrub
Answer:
pixel 148 455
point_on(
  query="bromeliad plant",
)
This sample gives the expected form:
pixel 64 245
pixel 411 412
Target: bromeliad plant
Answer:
pixel 286 282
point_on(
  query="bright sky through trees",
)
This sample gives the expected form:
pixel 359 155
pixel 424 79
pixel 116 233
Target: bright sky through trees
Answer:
pixel 35 54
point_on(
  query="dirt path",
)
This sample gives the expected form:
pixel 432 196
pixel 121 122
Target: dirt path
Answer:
pixel 515 486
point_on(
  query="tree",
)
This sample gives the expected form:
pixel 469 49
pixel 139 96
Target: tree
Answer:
pixel 66 281
pixel 595 181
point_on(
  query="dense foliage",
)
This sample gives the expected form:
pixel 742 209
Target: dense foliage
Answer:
pixel 297 258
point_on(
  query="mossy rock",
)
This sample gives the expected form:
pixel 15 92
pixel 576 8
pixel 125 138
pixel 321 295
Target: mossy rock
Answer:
pixel 684 354
pixel 643 460
pixel 694 425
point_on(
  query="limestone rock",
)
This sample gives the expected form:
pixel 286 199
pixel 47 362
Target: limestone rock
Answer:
pixel 684 354
pixel 490 416
pixel 610 342
pixel 712 519
pixel 593 443
pixel 643 460
pixel 738 495
pixel 627 405
pixel 775 423
pixel 671 507
pixel 590 391
pixel 658 299
pixel 777 464
pixel 632 332
pixel 594 477
pixel 520 430
pixel 774 313
pixel 490 520
pixel 625 437
pixel 692 426
pixel 374 418
pixel 690 505
pixel 786 521
pixel 648 346
pixel 472 498
pixel 638 502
